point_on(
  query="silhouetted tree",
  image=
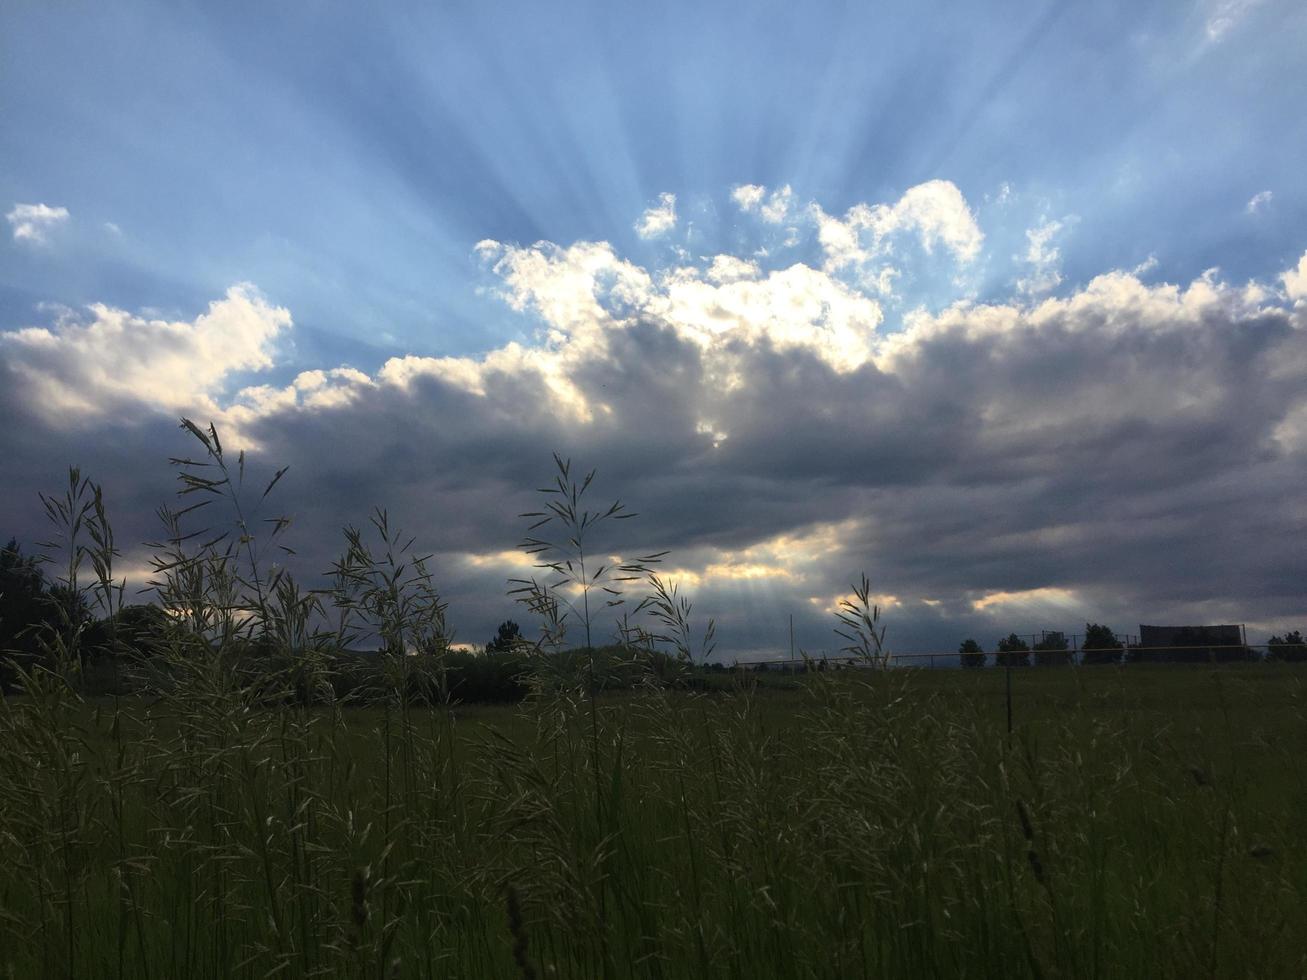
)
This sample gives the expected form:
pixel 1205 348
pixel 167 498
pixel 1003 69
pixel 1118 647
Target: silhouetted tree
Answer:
pixel 1052 651
pixel 1289 647
pixel 1013 652
pixel 24 605
pixel 972 654
pixel 138 629
pixel 23 598
pixel 1101 645
pixel 508 637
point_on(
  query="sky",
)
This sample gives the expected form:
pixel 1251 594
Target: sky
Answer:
pixel 1004 305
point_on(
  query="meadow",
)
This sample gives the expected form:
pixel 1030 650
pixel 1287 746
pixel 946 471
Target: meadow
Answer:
pixel 1137 822
pixel 219 787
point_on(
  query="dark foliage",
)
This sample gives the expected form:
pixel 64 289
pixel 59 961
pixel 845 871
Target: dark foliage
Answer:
pixel 1012 652
pixel 508 638
pixel 1290 647
pixel 24 607
pixel 1052 651
pixel 1101 645
pixel 973 655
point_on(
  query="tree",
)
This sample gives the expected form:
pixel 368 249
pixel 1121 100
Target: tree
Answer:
pixel 1290 647
pixel 1013 652
pixel 1052 651
pixel 506 639
pixel 24 604
pixel 1101 645
pixel 22 594
pixel 135 631
pixel 972 654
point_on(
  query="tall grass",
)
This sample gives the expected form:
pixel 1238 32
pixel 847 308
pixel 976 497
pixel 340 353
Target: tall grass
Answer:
pixel 242 818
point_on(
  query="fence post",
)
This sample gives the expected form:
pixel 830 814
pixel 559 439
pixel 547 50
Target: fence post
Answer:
pixel 1007 670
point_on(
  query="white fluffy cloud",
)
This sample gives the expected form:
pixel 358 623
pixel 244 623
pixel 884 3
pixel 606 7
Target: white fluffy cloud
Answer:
pixel 867 242
pixel 80 368
pixel 658 220
pixel 728 268
pixel 748 197
pixel 583 291
pixel 774 209
pixel 32 223
pixel 935 212
pixel 574 290
pixel 1295 281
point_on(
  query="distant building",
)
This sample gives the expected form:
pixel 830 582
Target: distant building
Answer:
pixel 1187 644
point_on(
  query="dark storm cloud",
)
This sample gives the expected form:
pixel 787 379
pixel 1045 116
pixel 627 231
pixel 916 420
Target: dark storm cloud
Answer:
pixel 1131 451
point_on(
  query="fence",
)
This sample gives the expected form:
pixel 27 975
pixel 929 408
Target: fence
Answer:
pixel 1043 659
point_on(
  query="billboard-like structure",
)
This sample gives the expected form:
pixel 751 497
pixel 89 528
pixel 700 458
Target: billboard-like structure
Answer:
pixel 1189 644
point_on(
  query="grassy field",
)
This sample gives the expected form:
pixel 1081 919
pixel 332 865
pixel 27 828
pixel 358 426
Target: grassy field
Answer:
pixel 1138 822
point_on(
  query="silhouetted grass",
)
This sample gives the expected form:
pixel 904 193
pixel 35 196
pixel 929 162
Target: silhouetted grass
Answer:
pixel 265 803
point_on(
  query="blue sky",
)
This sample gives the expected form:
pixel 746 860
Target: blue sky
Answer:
pixel 346 160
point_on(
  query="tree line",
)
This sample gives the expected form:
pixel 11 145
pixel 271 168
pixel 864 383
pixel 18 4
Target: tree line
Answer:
pixel 1102 647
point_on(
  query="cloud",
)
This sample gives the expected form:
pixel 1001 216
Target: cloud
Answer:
pixel 32 223
pixel 748 197
pixel 728 268
pixel 1259 202
pixel 773 209
pixel 1043 258
pixel 869 241
pixel 1146 266
pixel 585 291
pixel 1024 599
pixel 1295 281
pixel 659 220
pixel 935 212
pixel 80 370
pixel 1224 15
pixel 1125 451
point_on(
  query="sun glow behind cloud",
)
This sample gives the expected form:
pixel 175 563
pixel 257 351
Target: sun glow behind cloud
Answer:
pixel 762 367
pixel 1042 599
